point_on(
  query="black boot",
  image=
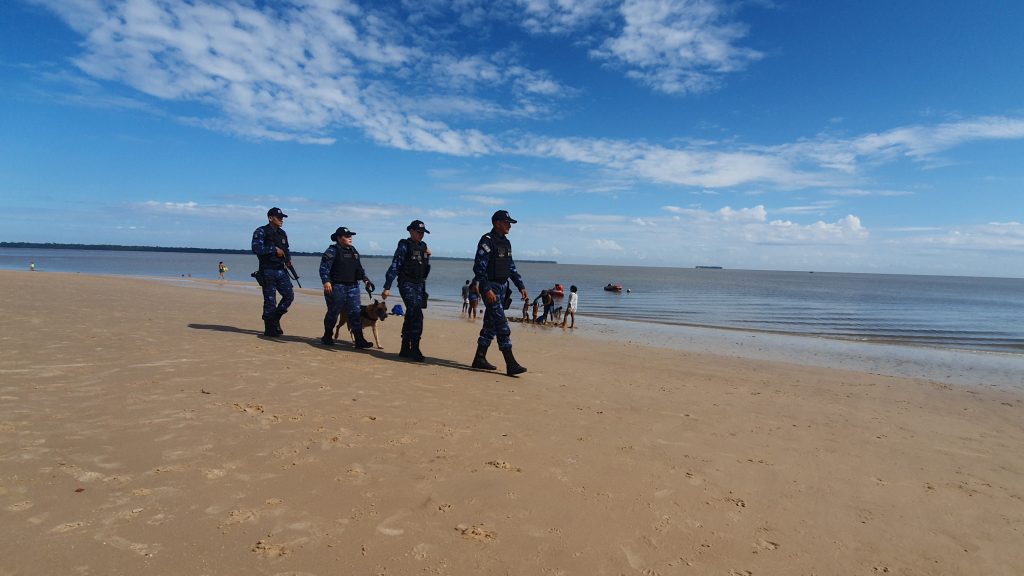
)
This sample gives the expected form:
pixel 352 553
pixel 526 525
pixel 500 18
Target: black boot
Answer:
pixel 328 338
pixel 268 327
pixel 361 342
pixel 405 348
pixel 276 319
pixel 480 360
pixel 414 351
pixel 511 366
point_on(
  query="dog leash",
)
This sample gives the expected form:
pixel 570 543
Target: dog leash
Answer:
pixel 370 289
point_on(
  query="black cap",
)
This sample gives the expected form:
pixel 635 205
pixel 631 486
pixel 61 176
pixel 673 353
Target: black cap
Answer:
pixel 417 225
pixel 275 211
pixel 341 231
pixel 502 215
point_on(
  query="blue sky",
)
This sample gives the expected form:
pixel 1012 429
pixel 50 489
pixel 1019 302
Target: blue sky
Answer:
pixel 868 136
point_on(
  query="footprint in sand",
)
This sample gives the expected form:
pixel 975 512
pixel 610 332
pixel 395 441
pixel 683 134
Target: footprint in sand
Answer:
pixel 20 506
pixel 763 544
pixel 389 531
pixel 240 516
pixel 214 473
pixel 421 551
pixel 67 527
pixel 125 544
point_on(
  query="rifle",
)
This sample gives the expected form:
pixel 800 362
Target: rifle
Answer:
pixel 292 272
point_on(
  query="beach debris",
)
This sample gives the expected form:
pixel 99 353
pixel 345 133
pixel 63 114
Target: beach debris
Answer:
pixel 502 465
pixel 205 391
pixel 79 489
pixel 269 550
pixel 477 532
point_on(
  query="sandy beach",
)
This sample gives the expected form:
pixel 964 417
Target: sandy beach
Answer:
pixel 147 428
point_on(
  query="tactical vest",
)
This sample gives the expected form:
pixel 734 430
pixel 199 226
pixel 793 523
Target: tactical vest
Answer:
pixel 276 237
pixel 345 268
pixel 416 265
pixel 500 266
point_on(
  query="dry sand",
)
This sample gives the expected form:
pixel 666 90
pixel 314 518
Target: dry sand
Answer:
pixel 146 428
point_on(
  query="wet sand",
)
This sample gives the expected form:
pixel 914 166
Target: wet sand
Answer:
pixel 146 428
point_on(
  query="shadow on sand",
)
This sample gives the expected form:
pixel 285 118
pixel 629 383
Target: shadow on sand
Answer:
pixel 341 346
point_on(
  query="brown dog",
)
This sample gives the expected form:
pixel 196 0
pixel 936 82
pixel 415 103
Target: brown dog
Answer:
pixel 370 314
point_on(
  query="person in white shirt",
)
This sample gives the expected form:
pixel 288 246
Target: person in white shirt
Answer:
pixel 570 308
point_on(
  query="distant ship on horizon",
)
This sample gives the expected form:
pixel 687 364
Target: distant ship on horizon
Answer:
pixel 708 267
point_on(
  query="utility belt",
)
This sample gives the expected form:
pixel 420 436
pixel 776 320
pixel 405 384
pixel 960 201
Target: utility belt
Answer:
pixel 345 283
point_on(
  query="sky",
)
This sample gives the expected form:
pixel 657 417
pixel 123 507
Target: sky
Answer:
pixel 871 136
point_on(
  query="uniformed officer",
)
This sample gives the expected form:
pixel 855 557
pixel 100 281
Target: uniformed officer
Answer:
pixel 270 244
pixel 411 265
pixel 341 271
pixel 492 269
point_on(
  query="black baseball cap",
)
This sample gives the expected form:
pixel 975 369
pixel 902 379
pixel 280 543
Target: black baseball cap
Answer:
pixel 341 231
pixel 502 215
pixel 417 225
pixel 275 211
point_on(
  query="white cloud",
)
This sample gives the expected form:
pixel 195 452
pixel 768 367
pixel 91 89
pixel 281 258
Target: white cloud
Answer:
pixel 843 231
pixel 991 237
pixel 846 155
pixel 560 16
pixel 521 186
pixel 755 214
pixel 678 47
pixel 605 244
pixel 816 207
pixel 308 71
pixel 485 200
pixel 596 218
pixel 859 192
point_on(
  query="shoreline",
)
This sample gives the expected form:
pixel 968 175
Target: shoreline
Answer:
pixel 148 427
pixel 972 368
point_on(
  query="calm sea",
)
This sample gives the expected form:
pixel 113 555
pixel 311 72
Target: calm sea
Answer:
pixel 985 314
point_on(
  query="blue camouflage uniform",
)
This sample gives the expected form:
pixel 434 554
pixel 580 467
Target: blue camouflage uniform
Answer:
pixel 493 267
pixel 265 241
pixel 411 265
pixel 342 268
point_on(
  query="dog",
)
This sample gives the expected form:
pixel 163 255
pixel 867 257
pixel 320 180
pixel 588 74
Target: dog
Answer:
pixel 370 314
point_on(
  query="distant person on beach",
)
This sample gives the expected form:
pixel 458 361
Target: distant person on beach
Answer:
pixel 493 267
pixel 32 266
pixel 526 310
pixel 270 245
pixel 341 271
pixel 465 297
pixel 221 269
pixel 549 307
pixel 536 304
pixel 570 307
pixel 474 301
pixel 411 265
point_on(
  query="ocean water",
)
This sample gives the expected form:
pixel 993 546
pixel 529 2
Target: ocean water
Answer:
pixel 982 314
